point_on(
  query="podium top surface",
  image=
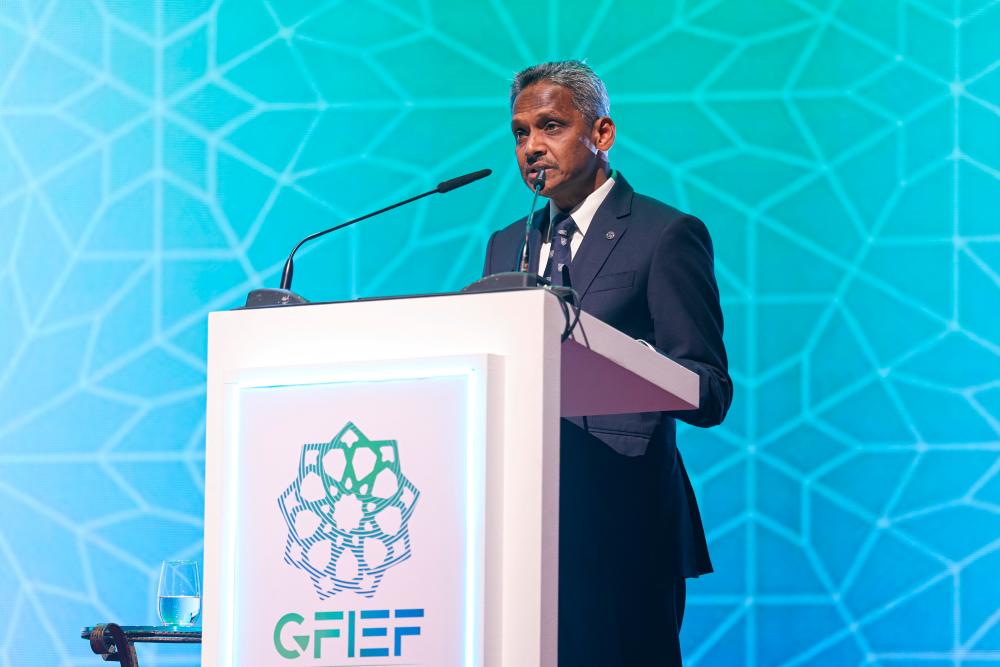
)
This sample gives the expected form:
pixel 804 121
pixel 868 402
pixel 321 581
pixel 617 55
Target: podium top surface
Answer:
pixel 602 370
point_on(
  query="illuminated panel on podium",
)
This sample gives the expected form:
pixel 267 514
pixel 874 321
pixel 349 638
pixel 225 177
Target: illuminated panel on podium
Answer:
pixel 353 497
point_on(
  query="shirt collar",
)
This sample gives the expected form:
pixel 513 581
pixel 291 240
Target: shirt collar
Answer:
pixel 584 212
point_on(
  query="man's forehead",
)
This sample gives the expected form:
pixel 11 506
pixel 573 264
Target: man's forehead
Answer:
pixel 543 96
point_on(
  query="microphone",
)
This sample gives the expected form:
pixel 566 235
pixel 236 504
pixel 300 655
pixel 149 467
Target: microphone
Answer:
pixel 519 278
pixel 451 184
pixel 284 296
pixel 537 185
pixel 539 182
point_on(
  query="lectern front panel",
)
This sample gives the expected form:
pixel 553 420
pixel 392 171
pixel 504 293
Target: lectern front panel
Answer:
pixel 354 514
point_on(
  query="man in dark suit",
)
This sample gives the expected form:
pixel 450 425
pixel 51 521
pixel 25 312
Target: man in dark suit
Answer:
pixel 630 532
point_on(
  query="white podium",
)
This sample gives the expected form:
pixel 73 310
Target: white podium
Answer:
pixel 382 477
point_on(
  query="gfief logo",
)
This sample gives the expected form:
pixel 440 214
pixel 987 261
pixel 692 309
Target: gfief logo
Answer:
pixel 347 513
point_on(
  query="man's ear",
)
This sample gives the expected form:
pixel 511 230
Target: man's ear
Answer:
pixel 603 133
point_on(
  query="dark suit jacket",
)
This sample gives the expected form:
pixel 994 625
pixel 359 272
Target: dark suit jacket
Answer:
pixel 648 270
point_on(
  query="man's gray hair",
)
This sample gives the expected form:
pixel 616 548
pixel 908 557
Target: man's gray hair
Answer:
pixel 590 96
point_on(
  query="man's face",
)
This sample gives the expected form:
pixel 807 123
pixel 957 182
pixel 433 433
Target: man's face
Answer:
pixel 551 134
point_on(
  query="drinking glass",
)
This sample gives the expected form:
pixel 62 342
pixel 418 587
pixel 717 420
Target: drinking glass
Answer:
pixel 179 592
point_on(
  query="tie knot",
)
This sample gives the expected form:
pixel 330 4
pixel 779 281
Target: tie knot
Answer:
pixel 564 224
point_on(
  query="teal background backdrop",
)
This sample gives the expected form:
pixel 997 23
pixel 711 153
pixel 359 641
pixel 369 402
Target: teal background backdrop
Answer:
pixel 158 159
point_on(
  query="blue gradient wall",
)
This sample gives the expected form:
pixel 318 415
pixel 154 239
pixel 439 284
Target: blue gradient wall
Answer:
pixel 158 159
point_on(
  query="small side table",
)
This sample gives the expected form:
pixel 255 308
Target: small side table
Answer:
pixel 116 643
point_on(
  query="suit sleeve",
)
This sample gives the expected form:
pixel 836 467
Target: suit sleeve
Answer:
pixel 687 317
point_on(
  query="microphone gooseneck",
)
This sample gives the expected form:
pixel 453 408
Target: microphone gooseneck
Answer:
pixel 444 186
pixel 525 255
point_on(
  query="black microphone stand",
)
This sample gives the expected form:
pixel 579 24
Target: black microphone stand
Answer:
pixel 537 185
pixel 523 279
pixel 284 296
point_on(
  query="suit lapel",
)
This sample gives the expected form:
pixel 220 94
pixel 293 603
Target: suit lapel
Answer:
pixel 606 229
pixel 535 240
pixel 501 263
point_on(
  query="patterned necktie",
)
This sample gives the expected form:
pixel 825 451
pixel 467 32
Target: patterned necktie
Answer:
pixel 560 254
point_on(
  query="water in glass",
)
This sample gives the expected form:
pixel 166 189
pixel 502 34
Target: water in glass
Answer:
pixel 179 592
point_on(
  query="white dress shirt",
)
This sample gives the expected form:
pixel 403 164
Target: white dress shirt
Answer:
pixel 582 214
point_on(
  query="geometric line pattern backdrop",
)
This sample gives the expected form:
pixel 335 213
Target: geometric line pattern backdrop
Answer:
pixel 158 159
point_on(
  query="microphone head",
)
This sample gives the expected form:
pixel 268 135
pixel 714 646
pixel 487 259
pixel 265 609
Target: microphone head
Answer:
pixel 451 184
pixel 539 181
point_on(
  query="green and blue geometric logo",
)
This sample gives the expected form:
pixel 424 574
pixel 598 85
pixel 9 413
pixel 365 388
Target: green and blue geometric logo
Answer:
pixel 347 513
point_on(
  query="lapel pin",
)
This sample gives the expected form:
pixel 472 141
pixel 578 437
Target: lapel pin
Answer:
pixel 609 235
